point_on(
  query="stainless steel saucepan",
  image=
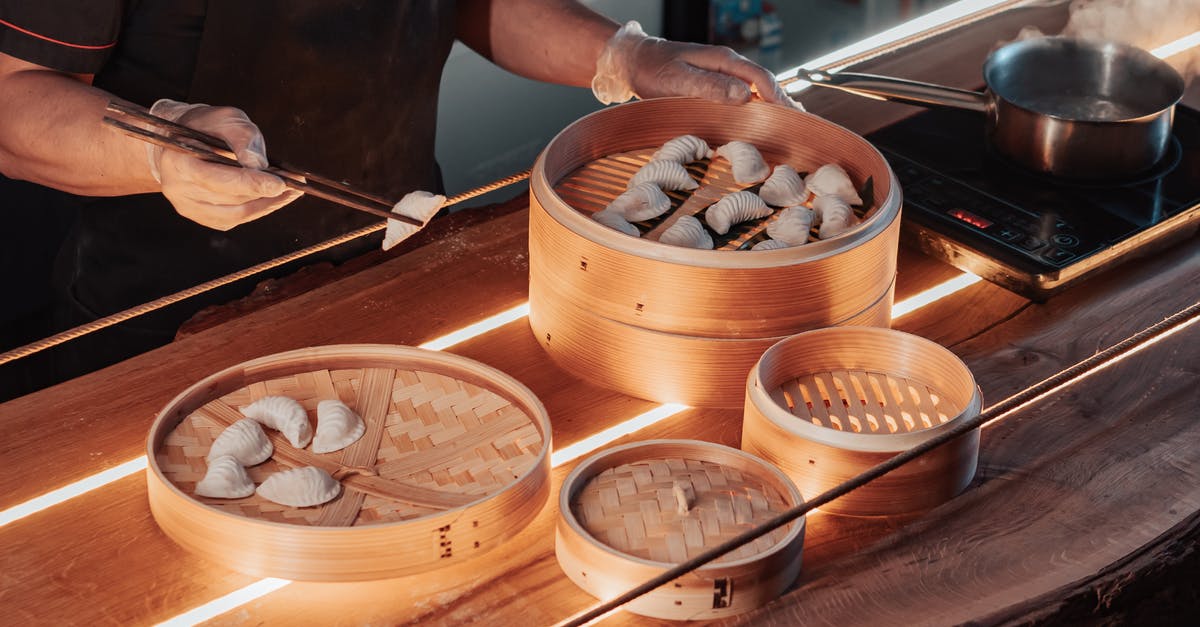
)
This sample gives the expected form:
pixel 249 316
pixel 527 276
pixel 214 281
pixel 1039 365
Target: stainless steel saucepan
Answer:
pixel 1068 107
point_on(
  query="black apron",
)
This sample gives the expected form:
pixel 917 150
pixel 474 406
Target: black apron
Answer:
pixel 344 88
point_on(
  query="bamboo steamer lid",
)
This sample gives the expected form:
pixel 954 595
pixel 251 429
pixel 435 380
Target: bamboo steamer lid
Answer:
pixel 826 405
pixel 683 305
pixel 631 512
pixel 454 461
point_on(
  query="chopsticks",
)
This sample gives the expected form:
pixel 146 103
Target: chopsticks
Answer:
pixel 141 124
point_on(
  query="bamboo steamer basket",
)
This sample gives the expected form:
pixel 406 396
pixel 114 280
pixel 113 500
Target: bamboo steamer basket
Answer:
pixel 631 512
pixel 826 405
pixel 455 461
pixel 711 295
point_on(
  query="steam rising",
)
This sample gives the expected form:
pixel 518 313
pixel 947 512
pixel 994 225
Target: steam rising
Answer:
pixel 1146 24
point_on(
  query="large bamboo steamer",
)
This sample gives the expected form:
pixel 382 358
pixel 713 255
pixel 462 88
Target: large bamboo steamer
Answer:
pixel 826 405
pixel 631 512
pixel 455 461
pixel 675 324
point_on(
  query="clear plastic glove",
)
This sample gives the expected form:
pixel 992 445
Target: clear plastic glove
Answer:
pixel 635 64
pixel 217 196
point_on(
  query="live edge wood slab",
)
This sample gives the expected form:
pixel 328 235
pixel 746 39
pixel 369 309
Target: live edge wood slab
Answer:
pixel 1085 502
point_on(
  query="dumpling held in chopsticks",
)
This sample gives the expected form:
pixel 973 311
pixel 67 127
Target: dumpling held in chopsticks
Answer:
pixel 417 205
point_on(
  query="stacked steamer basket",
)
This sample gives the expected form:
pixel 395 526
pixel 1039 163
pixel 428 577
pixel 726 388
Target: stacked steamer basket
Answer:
pixel 677 324
pixel 631 512
pixel 826 405
pixel 454 461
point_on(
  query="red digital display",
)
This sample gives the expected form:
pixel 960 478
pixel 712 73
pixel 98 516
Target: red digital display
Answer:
pixel 970 218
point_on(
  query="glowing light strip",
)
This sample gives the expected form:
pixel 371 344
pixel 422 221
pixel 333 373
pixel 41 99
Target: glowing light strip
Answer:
pixel 934 294
pixel 216 607
pixel 479 328
pixel 591 443
pixel 912 27
pixel 1186 42
pixel 70 491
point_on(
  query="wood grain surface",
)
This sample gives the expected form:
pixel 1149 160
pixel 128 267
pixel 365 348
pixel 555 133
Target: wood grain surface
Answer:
pixel 1075 495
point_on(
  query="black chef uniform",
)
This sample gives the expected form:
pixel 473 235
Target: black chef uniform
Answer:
pixel 344 88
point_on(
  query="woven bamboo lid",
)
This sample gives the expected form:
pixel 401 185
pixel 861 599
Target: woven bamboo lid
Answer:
pixel 632 511
pixel 454 451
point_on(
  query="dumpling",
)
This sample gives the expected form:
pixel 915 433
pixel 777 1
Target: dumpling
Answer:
pixel 836 216
pixel 793 225
pixel 734 208
pixel 243 440
pixel 616 221
pixel 284 415
pixel 770 244
pixel 784 188
pixel 687 232
pixel 225 479
pixel 337 427
pixel 641 202
pixel 418 205
pixel 748 164
pixel 664 174
pixel 831 180
pixel 683 149
pixel 300 487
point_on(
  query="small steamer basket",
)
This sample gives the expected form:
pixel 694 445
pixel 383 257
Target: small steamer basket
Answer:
pixel 631 512
pixel 454 462
pixel 584 275
pixel 826 405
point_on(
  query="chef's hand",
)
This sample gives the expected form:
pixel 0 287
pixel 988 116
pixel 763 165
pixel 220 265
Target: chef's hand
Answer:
pixel 217 196
pixel 635 64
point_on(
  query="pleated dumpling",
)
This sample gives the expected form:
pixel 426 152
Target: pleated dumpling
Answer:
pixel 665 174
pixel 771 244
pixel 337 427
pixel 614 220
pixel 836 216
pixel 687 232
pixel 300 487
pixel 418 205
pixel 683 149
pixel 243 440
pixel 747 162
pixel 734 208
pixel 643 201
pixel 793 225
pixel 831 180
pixel 225 479
pixel 284 415
pixel 784 188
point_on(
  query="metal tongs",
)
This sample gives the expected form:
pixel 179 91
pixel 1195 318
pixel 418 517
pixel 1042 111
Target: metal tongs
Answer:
pixel 140 123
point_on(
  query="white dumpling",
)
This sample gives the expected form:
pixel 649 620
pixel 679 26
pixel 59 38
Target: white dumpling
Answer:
pixel 284 415
pixel 243 440
pixel 747 163
pixel 734 208
pixel 683 149
pixel 616 221
pixel 300 487
pixel 664 174
pixel 784 188
pixel 831 180
pixel 836 216
pixel 643 201
pixel 225 479
pixel 793 225
pixel 687 232
pixel 770 244
pixel 417 205
pixel 337 427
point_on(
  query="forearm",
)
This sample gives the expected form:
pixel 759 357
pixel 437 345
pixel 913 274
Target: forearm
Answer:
pixel 51 133
pixel 555 41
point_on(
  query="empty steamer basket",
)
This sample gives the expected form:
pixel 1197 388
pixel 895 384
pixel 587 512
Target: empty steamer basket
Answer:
pixel 826 405
pixel 631 512
pixel 676 324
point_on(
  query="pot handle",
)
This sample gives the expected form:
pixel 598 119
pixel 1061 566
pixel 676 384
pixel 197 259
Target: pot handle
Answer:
pixel 898 90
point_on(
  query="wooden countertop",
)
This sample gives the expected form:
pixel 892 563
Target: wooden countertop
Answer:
pixel 1074 492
